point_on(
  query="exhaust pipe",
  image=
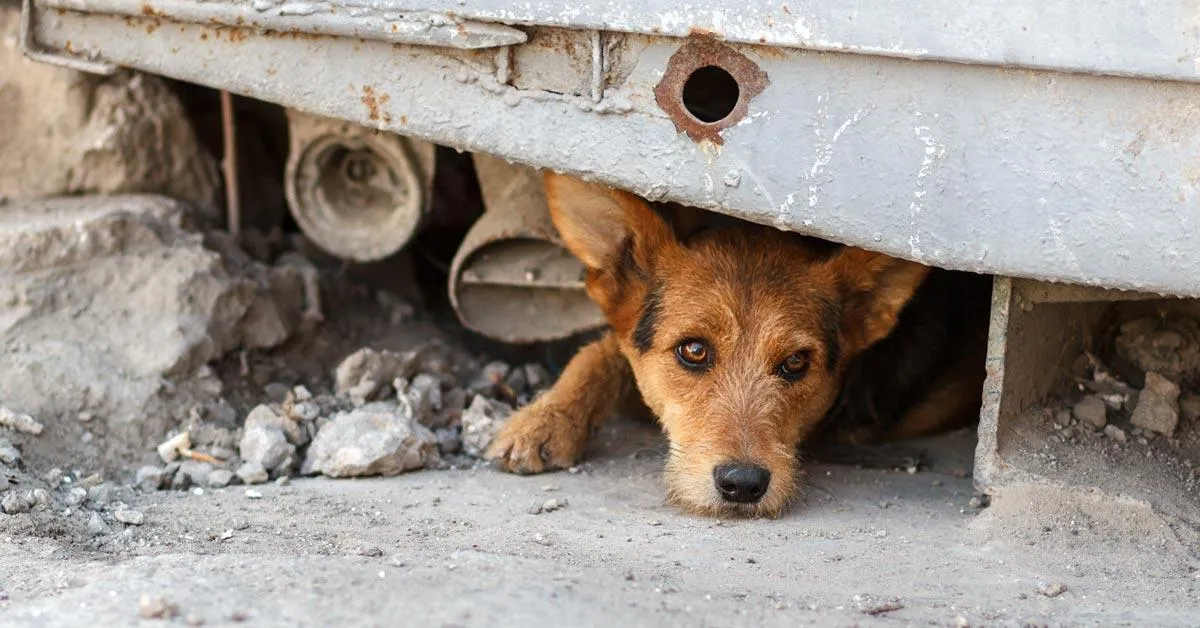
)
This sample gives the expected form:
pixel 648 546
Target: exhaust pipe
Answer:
pixel 357 193
pixel 511 279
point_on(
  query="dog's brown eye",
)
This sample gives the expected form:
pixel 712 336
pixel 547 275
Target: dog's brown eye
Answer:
pixel 693 354
pixel 795 365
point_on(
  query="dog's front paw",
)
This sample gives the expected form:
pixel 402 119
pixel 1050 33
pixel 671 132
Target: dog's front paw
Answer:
pixel 539 438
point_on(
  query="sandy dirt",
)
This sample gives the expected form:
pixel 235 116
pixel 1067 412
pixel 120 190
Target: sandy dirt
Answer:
pixel 459 548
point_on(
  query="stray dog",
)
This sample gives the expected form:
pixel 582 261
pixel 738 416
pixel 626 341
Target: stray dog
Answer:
pixel 745 341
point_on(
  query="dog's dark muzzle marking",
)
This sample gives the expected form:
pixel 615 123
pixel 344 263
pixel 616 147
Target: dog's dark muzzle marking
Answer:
pixel 741 483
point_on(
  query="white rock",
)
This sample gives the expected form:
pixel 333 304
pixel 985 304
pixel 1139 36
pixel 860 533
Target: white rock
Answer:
pixel 480 424
pixel 376 439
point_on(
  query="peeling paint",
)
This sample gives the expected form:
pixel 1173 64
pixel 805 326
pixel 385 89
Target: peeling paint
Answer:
pixel 933 151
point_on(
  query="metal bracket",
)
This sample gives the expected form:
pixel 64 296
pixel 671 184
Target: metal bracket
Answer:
pixel 31 51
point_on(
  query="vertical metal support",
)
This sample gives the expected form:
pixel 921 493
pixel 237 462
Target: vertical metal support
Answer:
pixel 233 206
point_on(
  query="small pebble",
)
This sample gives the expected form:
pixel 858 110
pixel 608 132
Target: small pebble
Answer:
pixel 76 496
pixel 1053 589
pixel 370 552
pixel 253 494
pixel 129 516
pixel 96 525
pixel 1115 433
pixel 156 607
pixel 550 505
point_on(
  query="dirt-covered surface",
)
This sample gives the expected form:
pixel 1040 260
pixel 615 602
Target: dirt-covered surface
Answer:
pixel 461 548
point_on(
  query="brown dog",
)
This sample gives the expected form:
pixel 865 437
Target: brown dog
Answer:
pixel 744 341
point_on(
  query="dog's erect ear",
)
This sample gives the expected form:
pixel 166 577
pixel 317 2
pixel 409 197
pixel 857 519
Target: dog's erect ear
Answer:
pixel 606 229
pixel 875 288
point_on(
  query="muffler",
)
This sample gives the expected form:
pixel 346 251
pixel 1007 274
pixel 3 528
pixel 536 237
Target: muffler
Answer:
pixel 511 279
pixel 357 193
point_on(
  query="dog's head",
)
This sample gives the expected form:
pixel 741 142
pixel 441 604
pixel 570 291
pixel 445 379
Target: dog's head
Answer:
pixel 738 337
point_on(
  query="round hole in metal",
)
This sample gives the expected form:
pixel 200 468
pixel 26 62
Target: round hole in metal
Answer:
pixel 710 94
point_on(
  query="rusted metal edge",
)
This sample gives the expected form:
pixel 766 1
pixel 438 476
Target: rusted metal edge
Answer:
pixel 696 53
pixel 414 28
pixel 31 51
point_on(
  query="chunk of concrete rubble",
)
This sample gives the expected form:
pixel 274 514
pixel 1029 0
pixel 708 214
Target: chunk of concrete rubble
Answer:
pixel 269 417
pixel 1158 405
pixel 10 456
pixel 16 421
pixel 220 478
pixel 129 516
pixel 150 479
pixel 107 304
pixel 252 473
pixel 197 472
pixel 380 438
pixel 1092 411
pixel 75 496
pixel 424 396
pixel 367 374
pixel 96 525
pixel 1169 347
pixel 1115 433
pixel 17 502
pixel 480 424
pixel 266 446
pixel 66 132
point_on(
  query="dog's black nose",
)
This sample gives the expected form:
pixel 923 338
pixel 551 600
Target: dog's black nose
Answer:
pixel 741 482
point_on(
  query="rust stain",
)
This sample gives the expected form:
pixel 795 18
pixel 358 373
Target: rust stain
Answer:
pixel 403 119
pixel 375 103
pixel 204 36
pixel 697 53
pixel 69 47
pixel 697 31
pixel 150 11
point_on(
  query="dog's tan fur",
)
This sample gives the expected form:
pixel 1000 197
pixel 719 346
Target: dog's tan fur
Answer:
pixel 754 296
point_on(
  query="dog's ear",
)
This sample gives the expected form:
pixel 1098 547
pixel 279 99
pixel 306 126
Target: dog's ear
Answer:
pixel 875 288
pixel 607 229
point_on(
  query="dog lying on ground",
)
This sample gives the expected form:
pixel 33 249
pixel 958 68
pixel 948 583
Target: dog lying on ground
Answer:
pixel 744 342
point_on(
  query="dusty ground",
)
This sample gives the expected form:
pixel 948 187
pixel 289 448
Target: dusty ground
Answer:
pixel 460 548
